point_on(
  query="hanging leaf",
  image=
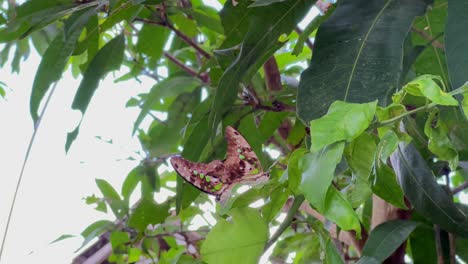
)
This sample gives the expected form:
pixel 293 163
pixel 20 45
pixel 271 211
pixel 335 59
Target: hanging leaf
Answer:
pixel 357 54
pixel 385 239
pixel 455 38
pixel 148 212
pixel 318 170
pixel 426 196
pixel 238 240
pixel 56 57
pixel 344 121
pixel 108 59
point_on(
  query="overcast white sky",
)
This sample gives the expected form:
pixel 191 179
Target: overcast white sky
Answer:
pixel 49 203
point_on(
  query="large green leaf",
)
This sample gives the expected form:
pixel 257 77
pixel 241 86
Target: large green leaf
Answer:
pixel 235 21
pixel 340 211
pixel 167 88
pixel 426 196
pixel 432 59
pixel 260 42
pixel 148 212
pixel 385 185
pixel 455 39
pixel 318 170
pixel 360 155
pixel 385 239
pixel 106 60
pixel 56 57
pixel 439 143
pixel 34 15
pixel 344 121
pixel 357 54
pixel 112 197
pixel 94 230
pixel 239 240
pixel 151 41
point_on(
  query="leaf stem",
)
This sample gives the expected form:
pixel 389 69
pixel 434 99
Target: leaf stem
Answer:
pixel 287 222
pixel 20 178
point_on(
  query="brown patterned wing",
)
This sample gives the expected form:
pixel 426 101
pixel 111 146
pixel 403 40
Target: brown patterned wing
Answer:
pixel 206 177
pixel 241 161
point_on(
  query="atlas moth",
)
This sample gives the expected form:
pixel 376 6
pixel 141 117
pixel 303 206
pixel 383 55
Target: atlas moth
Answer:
pixel 241 166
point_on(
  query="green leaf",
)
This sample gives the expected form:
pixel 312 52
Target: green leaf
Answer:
pixel 106 60
pixel 56 57
pixel 344 121
pixel 235 21
pixel 386 238
pixel 166 88
pixel 210 21
pixel 131 181
pixel 426 86
pixel 432 60
pixel 239 240
pixel 148 212
pixel 294 171
pixel 318 170
pixel 329 254
pixel 306 246
pixel 385 185
pixel 94 230
pixel 34 15
pixel 339 210
pixel 422 241
pixel 112 197
pixel 277 199
pixel 387 145
pixel 133 255
pixel 439 142
pixel 260 42
pixel 264 2
pixel 357 63
pixel 465 104
pixel 151 41
pixel 360 155
pixel 118 238
pixel 455 40
pixel 426 196
pixel 62 237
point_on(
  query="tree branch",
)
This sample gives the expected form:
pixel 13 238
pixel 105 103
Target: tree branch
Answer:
pixel 460 188
pixel 179 33
pixel 432 40
pixel 272 75
pixel 187 69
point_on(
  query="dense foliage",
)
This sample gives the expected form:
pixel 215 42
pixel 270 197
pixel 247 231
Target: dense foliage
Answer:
pixel 370 127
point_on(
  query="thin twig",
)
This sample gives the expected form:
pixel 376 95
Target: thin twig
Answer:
pixel 184 67
pixel 440 254
pixel 435 43
pixel 287 221
pixel 179 33
pixel 26 158
pixel 460 188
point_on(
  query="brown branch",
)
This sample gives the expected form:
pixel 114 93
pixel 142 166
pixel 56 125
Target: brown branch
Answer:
pixel 272 75
pixel 307 39
pixel 187 69
pixel 179 33
pixel 460 188
pixel 435 43
pixel 440 254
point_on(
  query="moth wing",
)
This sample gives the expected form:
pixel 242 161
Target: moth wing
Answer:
pixel 205 177
pixel 240 156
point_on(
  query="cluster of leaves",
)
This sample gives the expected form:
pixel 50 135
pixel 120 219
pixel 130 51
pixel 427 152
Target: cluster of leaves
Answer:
pixel 239 67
